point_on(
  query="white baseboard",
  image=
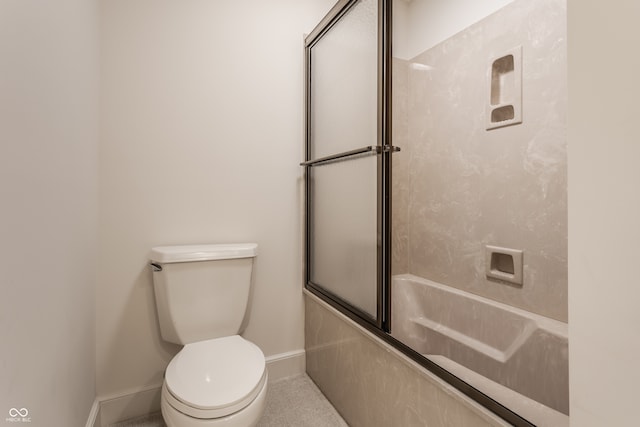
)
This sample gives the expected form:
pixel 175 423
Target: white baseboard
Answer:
pixel 129 404
pixel 107 410
pixel 287 364
pixel 94 414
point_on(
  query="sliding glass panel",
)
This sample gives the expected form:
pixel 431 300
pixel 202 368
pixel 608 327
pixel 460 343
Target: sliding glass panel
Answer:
pixel 344 231
pixel 344 67
pixel 344 243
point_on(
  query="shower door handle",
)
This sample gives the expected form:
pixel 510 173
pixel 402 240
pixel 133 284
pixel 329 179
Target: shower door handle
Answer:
pixel 359 152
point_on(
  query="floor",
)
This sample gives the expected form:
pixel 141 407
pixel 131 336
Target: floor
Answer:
pixel 292 402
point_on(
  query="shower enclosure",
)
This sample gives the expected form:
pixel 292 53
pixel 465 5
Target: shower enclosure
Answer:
pixel 464 270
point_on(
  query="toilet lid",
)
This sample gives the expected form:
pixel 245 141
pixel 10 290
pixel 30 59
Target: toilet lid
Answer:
pixel 217 373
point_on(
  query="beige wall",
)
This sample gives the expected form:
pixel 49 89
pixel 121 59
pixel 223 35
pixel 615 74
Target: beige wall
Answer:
pixel 419 25
pixel 202 109
pixel 604 208
pixel 48 186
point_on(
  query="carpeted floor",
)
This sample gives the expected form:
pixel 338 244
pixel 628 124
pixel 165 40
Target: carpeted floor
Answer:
pixel 292 402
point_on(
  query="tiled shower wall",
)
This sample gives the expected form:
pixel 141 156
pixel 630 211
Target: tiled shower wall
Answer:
pixel 458 186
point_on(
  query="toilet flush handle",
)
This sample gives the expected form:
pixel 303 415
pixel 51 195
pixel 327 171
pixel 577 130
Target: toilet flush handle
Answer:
pixel 155 267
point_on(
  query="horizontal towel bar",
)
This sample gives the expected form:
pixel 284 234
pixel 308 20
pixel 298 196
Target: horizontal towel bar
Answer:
pixel 372 149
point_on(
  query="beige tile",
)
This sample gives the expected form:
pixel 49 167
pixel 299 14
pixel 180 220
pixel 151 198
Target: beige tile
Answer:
pixel 458 187
pixel 371 384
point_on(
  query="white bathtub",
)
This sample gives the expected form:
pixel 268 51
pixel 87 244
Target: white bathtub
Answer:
pixel 495 347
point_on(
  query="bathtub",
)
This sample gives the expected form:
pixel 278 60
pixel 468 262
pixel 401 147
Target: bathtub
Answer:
pixel 505 352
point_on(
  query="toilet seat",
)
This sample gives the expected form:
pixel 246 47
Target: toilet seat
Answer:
pixel 215 378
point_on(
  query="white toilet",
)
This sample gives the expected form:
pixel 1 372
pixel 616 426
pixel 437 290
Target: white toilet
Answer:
pixel 218 378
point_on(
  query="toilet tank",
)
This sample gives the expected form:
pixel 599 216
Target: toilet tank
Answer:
pixel 202 291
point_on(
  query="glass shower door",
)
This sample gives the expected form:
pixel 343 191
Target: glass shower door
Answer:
pixel 344 243
pixel 347 160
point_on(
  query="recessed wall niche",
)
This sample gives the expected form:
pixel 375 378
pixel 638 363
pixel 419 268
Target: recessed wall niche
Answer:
pixel 505 90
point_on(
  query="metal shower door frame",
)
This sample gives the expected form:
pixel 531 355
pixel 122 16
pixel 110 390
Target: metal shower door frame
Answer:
pixel 382 150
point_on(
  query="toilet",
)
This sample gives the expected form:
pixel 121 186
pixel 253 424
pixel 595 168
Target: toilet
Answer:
pixel 218 378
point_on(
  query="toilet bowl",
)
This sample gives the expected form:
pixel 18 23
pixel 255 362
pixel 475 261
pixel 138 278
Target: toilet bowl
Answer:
pixel 218 382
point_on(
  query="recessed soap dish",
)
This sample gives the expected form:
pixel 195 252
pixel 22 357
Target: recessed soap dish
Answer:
pixel 503 264
pixel 505 90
